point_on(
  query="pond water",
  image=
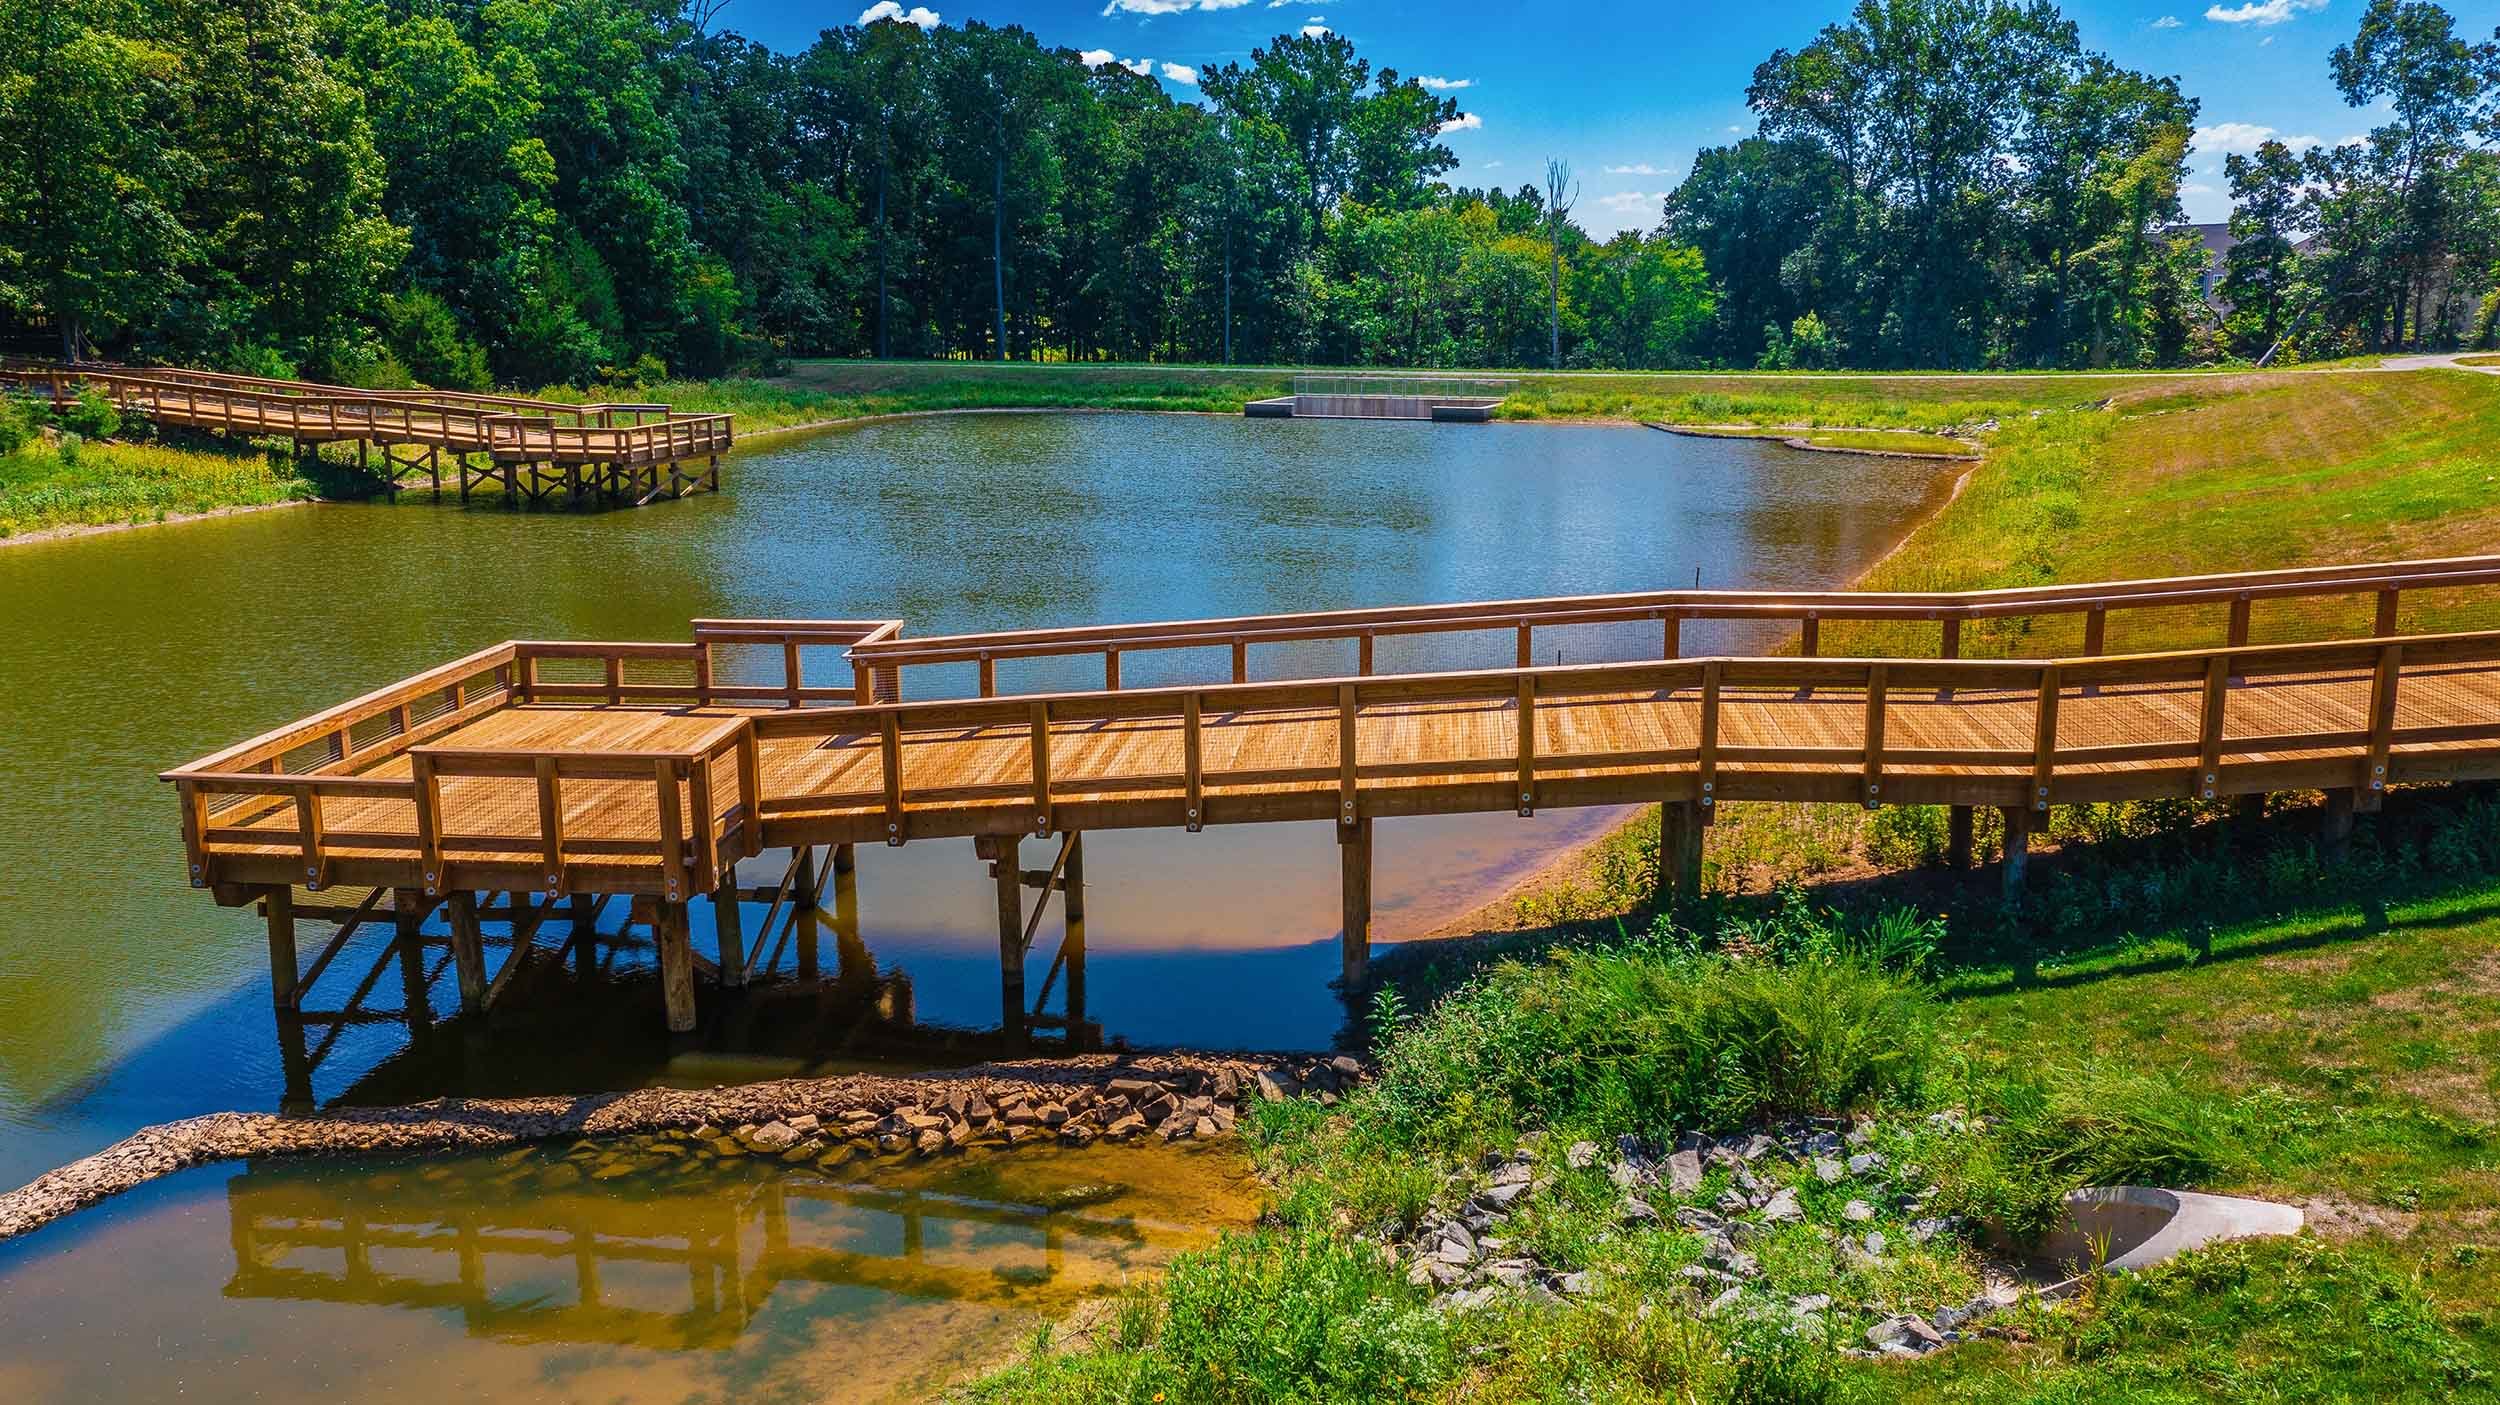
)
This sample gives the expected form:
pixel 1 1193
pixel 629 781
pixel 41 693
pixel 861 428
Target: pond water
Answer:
pixel 602 1275
pixel 126 998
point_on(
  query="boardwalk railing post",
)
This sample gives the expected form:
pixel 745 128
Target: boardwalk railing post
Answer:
pixel 2044 738
pixel 1872 783
pixel 2371 790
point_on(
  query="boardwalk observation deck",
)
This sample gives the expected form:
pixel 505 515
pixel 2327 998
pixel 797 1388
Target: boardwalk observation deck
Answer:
pixel 563 768
pixel 532 449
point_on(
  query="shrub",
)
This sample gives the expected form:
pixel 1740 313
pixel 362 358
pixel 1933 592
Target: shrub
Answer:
pixel 1658 1036
pixel 425 335
pixel 93 417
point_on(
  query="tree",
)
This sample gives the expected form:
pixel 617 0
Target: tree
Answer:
pixel 1560 194
pixel 2266 199
pixel 91 177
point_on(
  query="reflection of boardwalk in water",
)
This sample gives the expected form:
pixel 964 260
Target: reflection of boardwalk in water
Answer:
pixel 676 1272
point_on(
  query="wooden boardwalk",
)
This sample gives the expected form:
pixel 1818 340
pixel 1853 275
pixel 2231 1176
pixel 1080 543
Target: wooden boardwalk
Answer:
pixel 547 769
pixel 534 450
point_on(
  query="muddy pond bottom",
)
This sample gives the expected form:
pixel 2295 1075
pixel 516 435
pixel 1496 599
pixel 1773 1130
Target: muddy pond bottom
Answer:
pixel 630 1270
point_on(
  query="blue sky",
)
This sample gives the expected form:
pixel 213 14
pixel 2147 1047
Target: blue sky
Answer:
pixel 1628 91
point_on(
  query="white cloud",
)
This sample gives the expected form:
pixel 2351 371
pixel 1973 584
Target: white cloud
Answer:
pixel 1180 73
pixel 2354 140
pixel 1490 166
pixel 1278 4
pixel 1446 85
pixel 1463 122
pixel 1313 31
pixel 920 15
pixel 2167 22
pixel 1642 168
pixel 1168 7
pixel 2196 188
pixel 2262 11
pixel 1733 128
pixel 1632 202
pixel 1093 58
pixel 2248 136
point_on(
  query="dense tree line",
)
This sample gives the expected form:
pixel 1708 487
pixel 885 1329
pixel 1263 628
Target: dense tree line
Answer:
pixel 464 191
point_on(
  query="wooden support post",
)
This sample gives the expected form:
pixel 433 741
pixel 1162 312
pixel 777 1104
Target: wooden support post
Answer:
pixel 803 907
pixel 1072 946
pixel 1959 822
pixel 468 949
pixel 2017 849
pixel 1679 852
pixel 1354 861
pixel 725 920
pixel 585 935
pixel 2335 829
pixel 278 906
pixel 1011 1018
pixel 844 859
pixel 668 923
pixel 408 908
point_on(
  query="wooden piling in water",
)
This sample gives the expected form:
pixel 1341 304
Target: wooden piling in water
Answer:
pixel 1010 882
pixel 668 924
pixel 278 910
pixel 1354 864
pixel 468 949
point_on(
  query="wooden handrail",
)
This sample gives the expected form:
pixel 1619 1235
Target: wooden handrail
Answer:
pixel 1671 608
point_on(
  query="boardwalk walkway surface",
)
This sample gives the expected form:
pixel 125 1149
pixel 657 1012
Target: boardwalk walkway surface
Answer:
pixel 563 768
pixel 532 449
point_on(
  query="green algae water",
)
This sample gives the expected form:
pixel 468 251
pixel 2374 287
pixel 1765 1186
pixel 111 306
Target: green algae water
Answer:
pixel 126 998
pixel 639 1270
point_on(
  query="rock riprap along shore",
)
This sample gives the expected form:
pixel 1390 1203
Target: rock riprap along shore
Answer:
pixel 1735 1192
pixel 1120 1098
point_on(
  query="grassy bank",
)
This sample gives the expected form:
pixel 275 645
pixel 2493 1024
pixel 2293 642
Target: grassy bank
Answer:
pixel 92 482
pixel 2339 1052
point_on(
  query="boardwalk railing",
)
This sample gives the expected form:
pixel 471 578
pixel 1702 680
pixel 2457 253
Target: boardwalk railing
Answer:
pixel 2231 600
pixel 2197 723
pixel 502 427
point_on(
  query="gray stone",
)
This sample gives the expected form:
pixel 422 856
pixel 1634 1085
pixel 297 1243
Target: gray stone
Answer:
pixel 1857 1212
pixel 1457 1246
pixel 1929 1229
pixel 1276 1085
pixel 1684 1172
pixel 1756 1147
pixel 1580 1155
pixel 1580 1285
pixel 1782 1208
pixel 1808 1304
pixel 1511 1173
pixel 1500 1195
pixel 1875 1243
pixel 1635 1210
pixel 1511 1272
pixel 773 1138
pixel 1740 1264
pixel 1695 1217
pixel 1704 1274
pixel 1828 1170
pixel 1867 1163
pixel 1723 1302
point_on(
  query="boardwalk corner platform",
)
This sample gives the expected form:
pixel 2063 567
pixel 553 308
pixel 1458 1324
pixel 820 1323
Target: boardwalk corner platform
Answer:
pixel 536 451
pixel 532 774
pixel 1443 399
